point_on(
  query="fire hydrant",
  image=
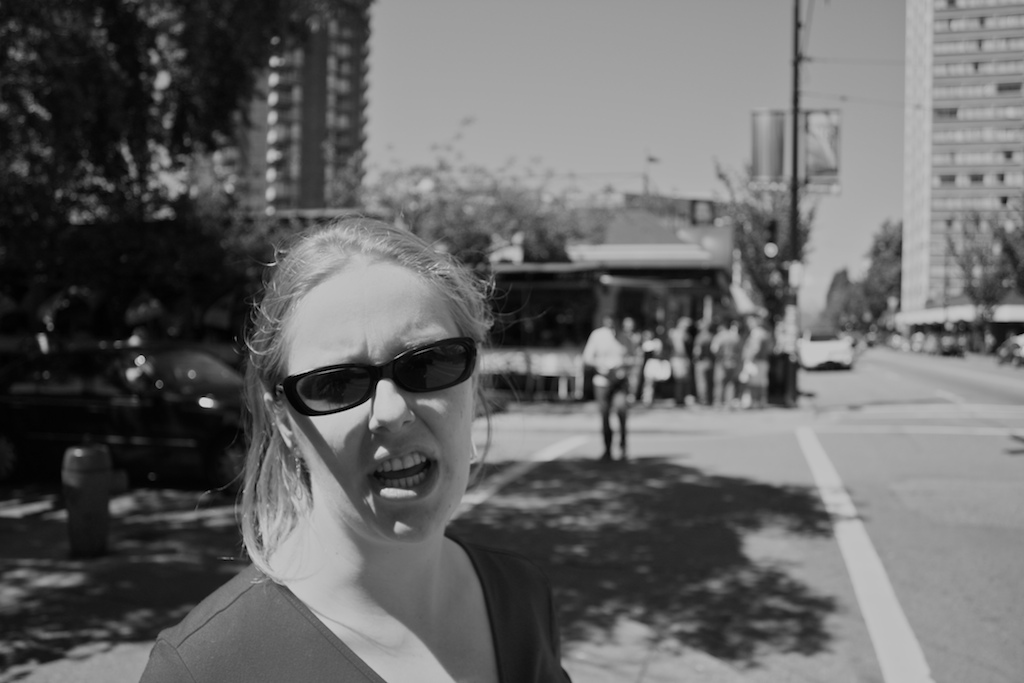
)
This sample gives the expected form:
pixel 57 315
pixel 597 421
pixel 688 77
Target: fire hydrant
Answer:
pixel 85 477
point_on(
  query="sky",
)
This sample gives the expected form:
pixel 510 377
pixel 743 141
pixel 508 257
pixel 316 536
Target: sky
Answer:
pixel 593 88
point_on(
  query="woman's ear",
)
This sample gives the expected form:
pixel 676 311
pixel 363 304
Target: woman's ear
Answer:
pixel 281 419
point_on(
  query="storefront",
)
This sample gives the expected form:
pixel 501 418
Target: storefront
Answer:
pixel 656 265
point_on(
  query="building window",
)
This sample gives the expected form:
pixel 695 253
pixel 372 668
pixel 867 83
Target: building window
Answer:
pixel 1009 21
pixel 1002 44
pixel 965 24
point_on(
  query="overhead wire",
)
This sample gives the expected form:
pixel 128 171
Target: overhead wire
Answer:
pixel 862 100
pixel 855 61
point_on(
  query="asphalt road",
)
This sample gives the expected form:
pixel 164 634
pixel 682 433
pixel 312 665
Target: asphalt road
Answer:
pixel 931 450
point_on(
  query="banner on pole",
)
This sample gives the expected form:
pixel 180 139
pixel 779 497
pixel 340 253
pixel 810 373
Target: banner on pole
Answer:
pixel 768 128
pixel 821 151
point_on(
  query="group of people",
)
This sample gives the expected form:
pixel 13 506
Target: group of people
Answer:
pixel 725 365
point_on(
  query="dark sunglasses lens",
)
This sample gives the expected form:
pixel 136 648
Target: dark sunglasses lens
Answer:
pixel 435 368
pixel 334 389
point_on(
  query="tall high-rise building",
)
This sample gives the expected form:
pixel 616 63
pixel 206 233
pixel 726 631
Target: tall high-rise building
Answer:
pixel 302 149
pixel 963 142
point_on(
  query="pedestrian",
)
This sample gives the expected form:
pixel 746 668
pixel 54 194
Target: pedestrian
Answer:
pixel 726 348
pixel 679 357
pixel 757 350
pixel 703 363
pixel 613 354
pixel 656 366
pixel 361 387
pixel 632 339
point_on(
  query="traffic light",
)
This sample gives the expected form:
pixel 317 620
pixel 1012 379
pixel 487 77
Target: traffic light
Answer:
pixel 771 244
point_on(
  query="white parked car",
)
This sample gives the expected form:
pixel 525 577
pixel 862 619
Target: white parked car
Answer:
pixel 821 350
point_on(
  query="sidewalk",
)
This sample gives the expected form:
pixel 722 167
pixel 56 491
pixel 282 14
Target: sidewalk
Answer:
pixel 632 607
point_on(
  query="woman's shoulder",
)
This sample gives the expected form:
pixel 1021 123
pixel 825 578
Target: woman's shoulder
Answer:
pixel 248 629
pixel 496 556
pixel 246 593
pixel 498 567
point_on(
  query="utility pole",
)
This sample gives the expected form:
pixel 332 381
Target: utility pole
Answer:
pixel 792 310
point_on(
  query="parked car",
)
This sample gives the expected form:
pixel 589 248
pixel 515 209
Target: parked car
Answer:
pixel 169 410
pixel 821 350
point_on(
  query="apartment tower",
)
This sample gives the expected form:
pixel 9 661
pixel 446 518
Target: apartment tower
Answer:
pixel 963 140
pixel 303 147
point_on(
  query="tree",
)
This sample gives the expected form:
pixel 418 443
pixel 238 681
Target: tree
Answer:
pixel 884 274
pixel 756 212
pixel 102 101
pixel 472 211
pixel 846 306
pixel 1010 231
pixel 853 304
pixel 111 113
pixel 984 272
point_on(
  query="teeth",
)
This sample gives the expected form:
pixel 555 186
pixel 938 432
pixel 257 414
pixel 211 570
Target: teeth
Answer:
pixel 402 463
pixel 407 482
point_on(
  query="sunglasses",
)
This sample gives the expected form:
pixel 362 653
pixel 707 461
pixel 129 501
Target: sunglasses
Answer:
pixel 432 367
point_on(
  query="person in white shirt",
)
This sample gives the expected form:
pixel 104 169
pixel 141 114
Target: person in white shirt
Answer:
pixel 614 356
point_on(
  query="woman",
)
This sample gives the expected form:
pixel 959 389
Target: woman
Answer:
pixel 360 385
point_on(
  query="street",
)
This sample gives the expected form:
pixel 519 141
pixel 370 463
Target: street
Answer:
pixel 931 453
pixel 931 450
pixel 876 534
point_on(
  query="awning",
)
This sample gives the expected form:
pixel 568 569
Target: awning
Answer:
pixel 647 255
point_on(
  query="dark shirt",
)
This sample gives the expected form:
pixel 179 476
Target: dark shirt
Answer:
pixel 702 346
pixel 253 629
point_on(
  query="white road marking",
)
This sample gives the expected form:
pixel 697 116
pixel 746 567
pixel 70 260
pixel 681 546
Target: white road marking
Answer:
pixel 935 412
pixel 896 647
pixel 941 408
pixel 921 430
pixel 950 396
pixel 494 484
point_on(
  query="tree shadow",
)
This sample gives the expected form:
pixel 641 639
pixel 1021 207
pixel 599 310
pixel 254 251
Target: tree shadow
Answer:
pixel 1019 450
pixel 651 540
pixel 157 568
pixel 662 544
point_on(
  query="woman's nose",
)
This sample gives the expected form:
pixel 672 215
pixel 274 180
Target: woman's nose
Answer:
pixel 389 408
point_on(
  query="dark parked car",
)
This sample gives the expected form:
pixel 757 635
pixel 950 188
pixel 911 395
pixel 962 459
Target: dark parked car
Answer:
pixel 168 410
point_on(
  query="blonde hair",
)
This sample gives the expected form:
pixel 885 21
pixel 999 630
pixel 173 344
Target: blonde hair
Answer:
pixel 275 492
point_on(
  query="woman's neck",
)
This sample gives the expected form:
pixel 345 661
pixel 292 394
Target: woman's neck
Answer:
pixel 344 576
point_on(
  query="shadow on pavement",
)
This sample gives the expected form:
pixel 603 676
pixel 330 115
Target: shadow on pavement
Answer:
pixel 163 558
pixel 649 541
pixel 663 545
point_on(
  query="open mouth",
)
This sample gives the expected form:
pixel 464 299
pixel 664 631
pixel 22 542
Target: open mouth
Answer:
pixel 406 472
